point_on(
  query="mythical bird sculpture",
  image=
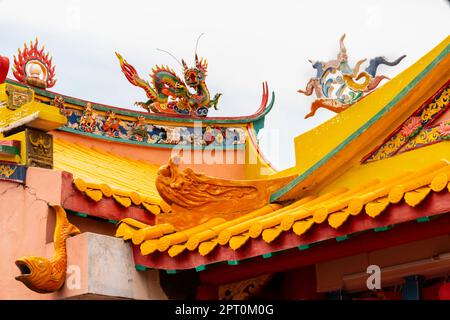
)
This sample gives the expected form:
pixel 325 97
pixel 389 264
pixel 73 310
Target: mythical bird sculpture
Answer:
pixel 337 86
pixel 169 94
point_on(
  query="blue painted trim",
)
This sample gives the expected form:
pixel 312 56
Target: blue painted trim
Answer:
pixel 279 193
pixel 154 145
pixel 19 175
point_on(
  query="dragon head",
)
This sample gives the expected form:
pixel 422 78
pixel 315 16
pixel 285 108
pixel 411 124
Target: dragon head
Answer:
pixel 194 76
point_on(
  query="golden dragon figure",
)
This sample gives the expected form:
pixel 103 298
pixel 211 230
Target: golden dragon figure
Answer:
pixel 48 275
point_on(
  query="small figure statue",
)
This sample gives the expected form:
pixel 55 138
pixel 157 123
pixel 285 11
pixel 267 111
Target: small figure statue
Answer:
pixel 139 131
pixel 58 102
pixel 88 119
pixel 111 125
pixel 337 86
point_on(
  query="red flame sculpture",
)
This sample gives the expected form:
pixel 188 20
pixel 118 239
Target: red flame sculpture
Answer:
pixel 42 71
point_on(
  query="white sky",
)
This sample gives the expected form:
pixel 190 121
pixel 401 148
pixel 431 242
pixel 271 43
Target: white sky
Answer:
pixel 245 42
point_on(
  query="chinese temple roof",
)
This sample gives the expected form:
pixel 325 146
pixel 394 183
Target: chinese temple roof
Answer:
pixel 344 186
pixel 268 223
pixel 350 131
pixel 354 173
pixel 99 174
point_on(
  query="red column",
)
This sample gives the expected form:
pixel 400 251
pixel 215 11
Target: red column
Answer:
pixel 300 284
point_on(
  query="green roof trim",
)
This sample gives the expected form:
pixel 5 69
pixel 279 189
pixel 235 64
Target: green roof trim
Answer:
pixel 76 213
pixel 382 229
pixel 200 268
pixel 342 238
pixel 10 150
pixel 171 271
pixel 279 193
pixel 139 267
pixel 423 219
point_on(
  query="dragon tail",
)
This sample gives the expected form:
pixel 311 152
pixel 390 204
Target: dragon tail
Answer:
pixel 133 77
pixel 375 62
pixel 329 104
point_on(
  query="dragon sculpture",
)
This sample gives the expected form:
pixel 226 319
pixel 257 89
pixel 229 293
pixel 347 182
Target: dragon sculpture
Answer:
pixel 48 275
pixel 195 197
pixel 337 86
pixel 169 94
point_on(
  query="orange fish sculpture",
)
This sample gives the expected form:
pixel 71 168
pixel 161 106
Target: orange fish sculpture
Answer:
pixel 48 275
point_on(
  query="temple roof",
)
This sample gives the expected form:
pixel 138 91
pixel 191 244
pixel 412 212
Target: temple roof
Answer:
pixel 268 223
pixel 337 193
pixel 99 174
pixel 366 122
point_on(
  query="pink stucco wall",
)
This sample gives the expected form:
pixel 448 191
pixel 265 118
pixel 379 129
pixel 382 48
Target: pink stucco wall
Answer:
pixel 23 221
pixel 26 225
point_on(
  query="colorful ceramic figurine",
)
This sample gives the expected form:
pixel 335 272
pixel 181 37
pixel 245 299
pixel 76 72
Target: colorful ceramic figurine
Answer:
pixel 169 94
pixel 89 118
pixel 111 125
pixel 34 67
pixel 337 86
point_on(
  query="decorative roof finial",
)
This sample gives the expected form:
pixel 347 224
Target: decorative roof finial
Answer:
pixel 168 93
pixel 34 67
pixel 337 86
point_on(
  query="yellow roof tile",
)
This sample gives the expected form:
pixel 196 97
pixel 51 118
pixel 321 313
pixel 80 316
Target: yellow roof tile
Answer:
pixel 98 173
pixel 334 207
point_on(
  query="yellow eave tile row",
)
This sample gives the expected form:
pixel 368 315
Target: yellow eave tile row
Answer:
pixel 100 174
pixel 270 221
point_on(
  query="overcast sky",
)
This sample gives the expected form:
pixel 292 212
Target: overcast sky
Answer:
pixel 245 42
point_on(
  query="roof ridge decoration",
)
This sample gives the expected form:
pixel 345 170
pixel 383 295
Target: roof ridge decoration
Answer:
pixel 111 126
pixel 167 93
pixel 422 128
pixel 337 86
pixel 335 207
pixel 34 67
pixel 195 197
pixel 264 108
